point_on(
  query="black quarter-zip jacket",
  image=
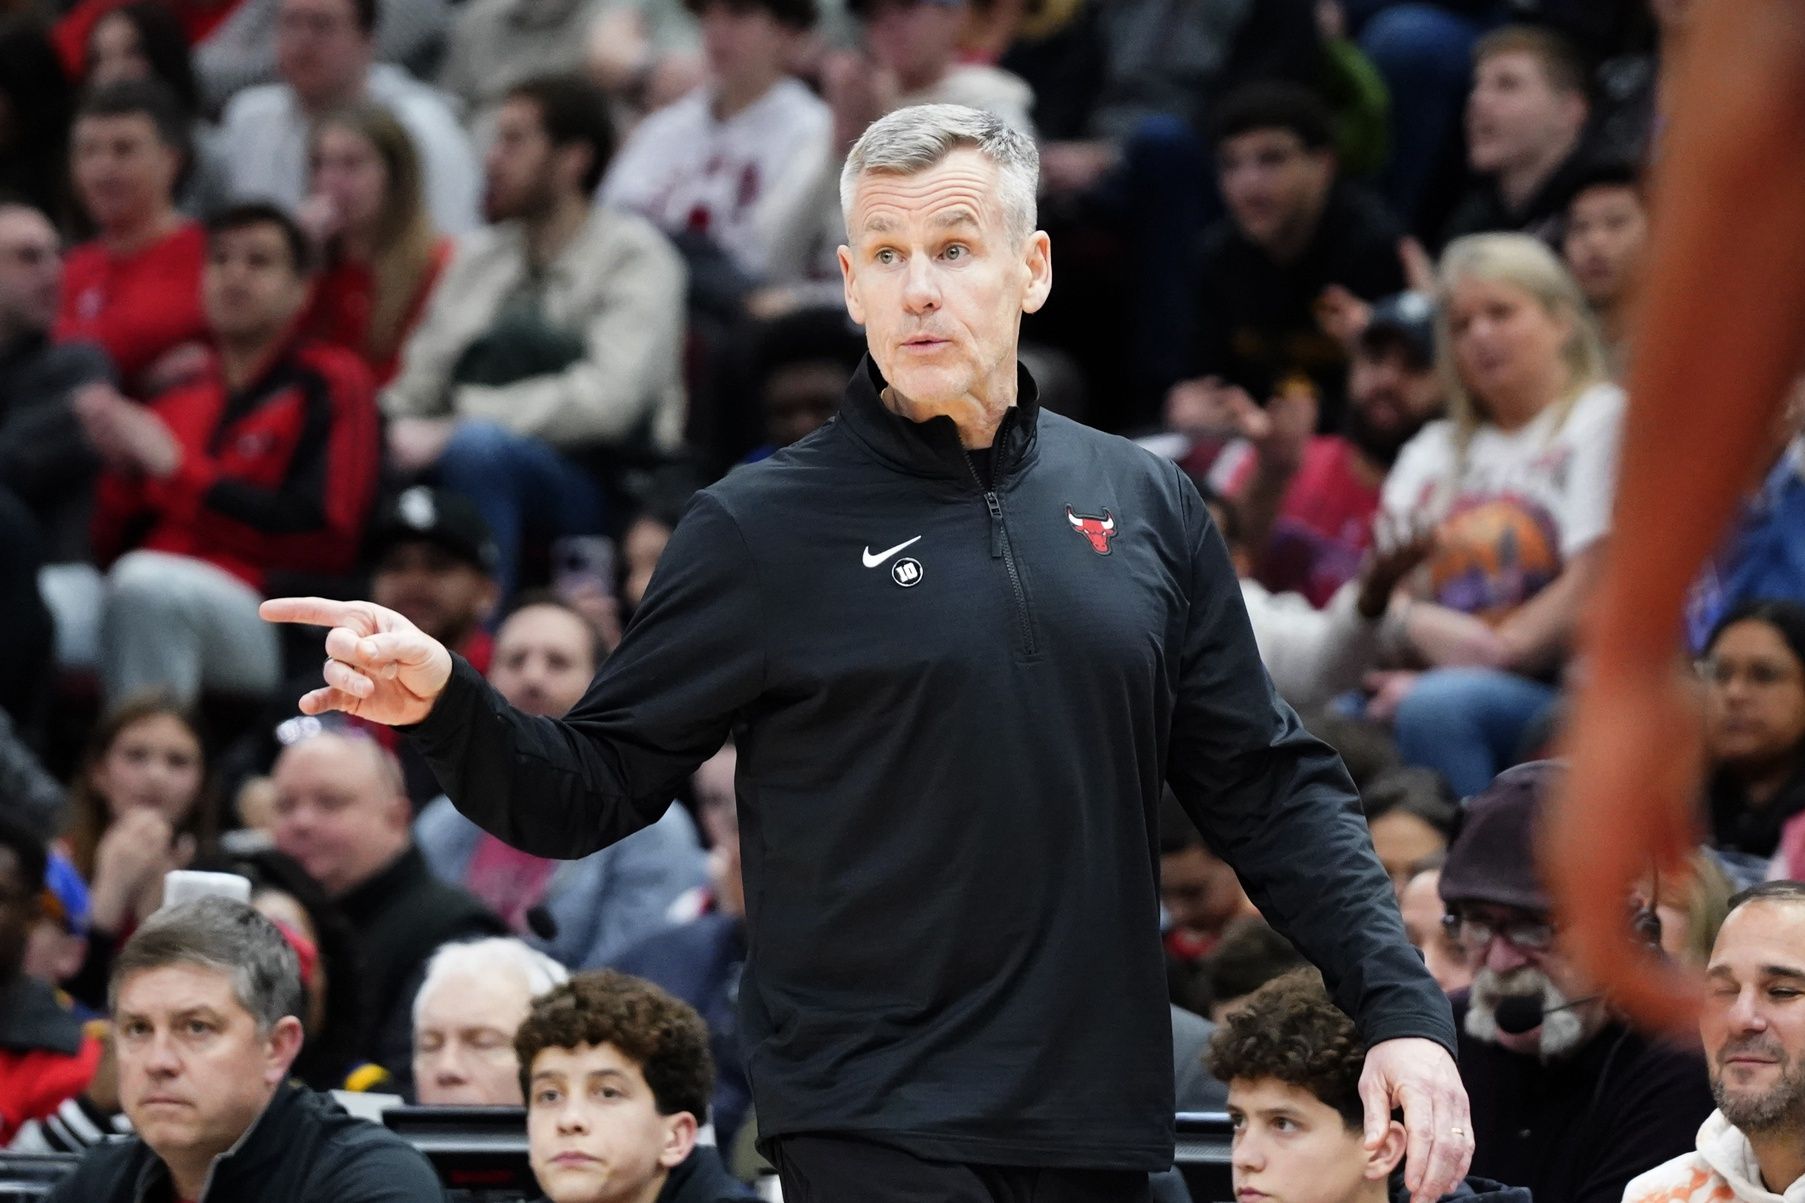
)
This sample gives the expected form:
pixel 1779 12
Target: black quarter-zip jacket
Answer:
pixel 955 708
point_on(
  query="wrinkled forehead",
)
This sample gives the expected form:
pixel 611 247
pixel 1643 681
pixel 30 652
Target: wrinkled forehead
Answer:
pixel 959 189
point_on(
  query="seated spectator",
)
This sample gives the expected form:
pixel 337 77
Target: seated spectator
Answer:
pixel 341 813
pixel 435 566
pixel 36 100
pixel 383 255
pixel 264 464
pixel 1421 906
pixel 1306 502
pixel 234 43
pixel 1199 898
pixel 325 59
pixel 1249 956
pixel 1754 673
pixel 1293 229
pixel 496 44
pixel 46 460
pixel 45 1058
pixel 616 1075
pixel 911 56
pixel 136 288
pixel 336 1020
pixel 469 1007
pixel 1764 555
pixel 140 805
pixel 1314 655
pixel 1692 903
pixel 1526 118
pixel 700 961
pixel 1605 244
pixel 206 1002
pixel 1567 1099
pixel 1293 1060
pixel 1518 480
pixel 731 163
pixel 801 364
pixel 554 339
pixel 144 39
pixel 1411 814
pixel 592 910
pixel 1752 1148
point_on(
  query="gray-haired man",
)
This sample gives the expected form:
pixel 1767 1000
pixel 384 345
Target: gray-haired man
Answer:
pixel 205 999
pixel 962 644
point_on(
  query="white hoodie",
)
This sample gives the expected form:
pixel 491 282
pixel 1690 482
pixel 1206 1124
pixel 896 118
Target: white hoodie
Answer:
pixel 1723 1170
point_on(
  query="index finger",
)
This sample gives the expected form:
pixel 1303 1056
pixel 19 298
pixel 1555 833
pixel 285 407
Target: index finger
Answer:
pixel 317 612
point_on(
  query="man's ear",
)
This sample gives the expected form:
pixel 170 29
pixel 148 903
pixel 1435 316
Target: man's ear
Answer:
pixel 854 308
pixel 1038 254
pixel 679 1139
pixel 1387 1157
pixel 284 1046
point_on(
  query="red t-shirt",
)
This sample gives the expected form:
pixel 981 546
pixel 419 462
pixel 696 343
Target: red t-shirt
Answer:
pixel 198 17
pixel 35 1082
pixel 344 296
pixel 136 306
pixel 1324 525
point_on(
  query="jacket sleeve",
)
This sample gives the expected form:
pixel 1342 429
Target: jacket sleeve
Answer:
pixel 633 350
pixel 1277 805
pixel 691 660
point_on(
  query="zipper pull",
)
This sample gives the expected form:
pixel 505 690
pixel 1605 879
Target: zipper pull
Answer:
pixel 996 524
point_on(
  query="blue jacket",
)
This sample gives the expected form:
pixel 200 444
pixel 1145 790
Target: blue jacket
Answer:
pixel 604 903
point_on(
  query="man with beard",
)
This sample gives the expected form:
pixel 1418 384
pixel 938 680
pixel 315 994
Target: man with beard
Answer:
pixel 1305 502
pixel 1753 1147
pixel 552 346
pixel 1567 1099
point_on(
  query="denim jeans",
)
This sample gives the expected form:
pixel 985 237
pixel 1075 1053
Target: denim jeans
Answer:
pixel 522 486
pixel 1469 724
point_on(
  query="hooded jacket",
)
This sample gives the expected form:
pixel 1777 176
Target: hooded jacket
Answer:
pixel 1721 1170
pixel 956 702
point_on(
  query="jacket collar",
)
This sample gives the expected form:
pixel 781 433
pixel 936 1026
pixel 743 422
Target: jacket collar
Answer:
pixel 932 448
pixel 260 1144
pixel 402 874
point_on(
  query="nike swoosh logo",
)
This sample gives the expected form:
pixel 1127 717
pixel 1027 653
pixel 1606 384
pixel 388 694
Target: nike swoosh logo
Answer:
pixel 872 561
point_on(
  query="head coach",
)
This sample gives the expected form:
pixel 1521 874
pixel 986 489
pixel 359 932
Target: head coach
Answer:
pixel 961 643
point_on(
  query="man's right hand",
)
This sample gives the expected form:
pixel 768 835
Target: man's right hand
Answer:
pixel 380 666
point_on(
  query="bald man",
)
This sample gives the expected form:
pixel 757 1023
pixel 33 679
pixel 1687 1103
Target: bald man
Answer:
pixel 342 812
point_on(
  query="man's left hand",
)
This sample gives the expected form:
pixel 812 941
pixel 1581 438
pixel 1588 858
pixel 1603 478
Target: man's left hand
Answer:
pixel 1419 1076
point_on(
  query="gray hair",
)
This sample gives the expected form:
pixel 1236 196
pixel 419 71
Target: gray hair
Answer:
pixel 223 934
pixel 915 138
pixel 496 954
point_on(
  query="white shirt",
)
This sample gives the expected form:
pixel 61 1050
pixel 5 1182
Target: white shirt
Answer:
pixel 265 133
pixel 740 181
pixel 1518 505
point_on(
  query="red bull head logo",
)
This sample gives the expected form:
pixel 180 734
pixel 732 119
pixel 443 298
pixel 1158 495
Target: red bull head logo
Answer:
pixel 1096 531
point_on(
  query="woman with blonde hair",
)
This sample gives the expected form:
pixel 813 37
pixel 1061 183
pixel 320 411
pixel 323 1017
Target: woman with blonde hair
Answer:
pixel 381 253
pixel 1517 481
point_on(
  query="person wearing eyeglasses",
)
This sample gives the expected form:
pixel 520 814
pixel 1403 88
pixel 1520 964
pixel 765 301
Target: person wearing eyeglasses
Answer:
pixel 1568 1100
pixel 1754 682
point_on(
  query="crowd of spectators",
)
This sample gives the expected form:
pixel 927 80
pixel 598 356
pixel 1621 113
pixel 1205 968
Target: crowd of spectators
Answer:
pixel 452 304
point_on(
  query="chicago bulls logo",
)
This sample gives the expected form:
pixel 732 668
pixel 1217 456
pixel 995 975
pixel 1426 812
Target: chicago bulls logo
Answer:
pixel 1096 531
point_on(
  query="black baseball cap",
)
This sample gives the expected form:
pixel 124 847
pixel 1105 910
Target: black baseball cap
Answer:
pixel 1493 856
pixel 423 514
pixel 1407 318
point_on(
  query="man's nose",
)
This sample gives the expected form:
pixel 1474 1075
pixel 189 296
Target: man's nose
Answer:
pixel 1501 956
pixel 573 1117
pixel 1746 1014
pixel 921 287
pixel 1247 1154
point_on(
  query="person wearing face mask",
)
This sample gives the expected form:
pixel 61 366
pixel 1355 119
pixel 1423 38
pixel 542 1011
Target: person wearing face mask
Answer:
pixel 587 912
pixel 1568 1100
